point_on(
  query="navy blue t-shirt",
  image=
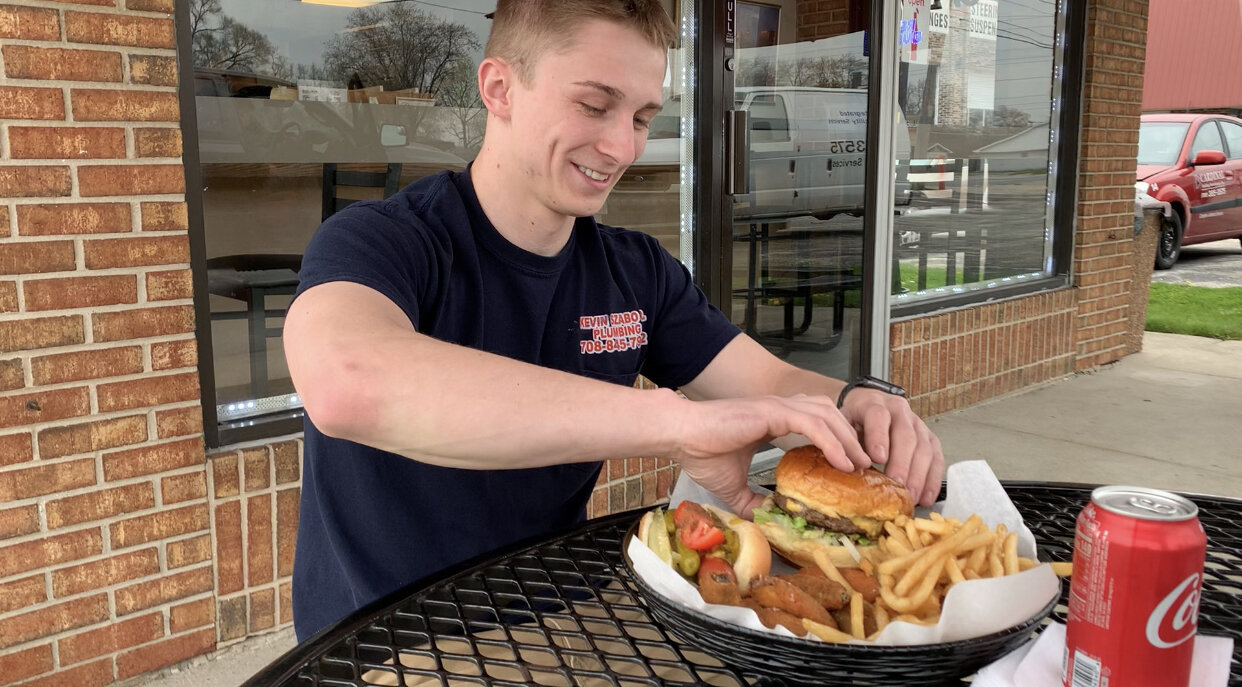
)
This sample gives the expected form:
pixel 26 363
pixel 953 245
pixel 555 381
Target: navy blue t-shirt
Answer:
pixel 611 305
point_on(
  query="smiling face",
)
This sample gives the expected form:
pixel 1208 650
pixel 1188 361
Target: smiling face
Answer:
pixel 581 121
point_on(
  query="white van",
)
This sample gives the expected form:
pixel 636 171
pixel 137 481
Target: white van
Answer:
pixel 808 151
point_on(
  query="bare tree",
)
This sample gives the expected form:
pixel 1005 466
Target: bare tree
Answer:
pixel 220 42
pixel 398 47
pixel 460 94
pixel 1010 116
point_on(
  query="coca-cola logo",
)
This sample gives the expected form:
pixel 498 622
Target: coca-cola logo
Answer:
pixel 1173 620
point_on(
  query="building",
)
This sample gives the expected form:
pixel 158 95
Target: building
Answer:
pixel 149 442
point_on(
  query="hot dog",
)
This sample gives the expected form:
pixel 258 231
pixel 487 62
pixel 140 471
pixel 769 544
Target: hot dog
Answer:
pixel 693 532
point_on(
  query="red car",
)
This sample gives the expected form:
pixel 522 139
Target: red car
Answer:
pixel 1194 163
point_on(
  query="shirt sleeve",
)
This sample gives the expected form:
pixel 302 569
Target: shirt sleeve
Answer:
pixel 370 244
pixel 689 333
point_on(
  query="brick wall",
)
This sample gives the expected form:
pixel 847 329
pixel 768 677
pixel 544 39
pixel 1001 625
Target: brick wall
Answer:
pixel 106 569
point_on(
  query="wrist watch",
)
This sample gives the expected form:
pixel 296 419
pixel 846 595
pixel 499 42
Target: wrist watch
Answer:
pixel 869 382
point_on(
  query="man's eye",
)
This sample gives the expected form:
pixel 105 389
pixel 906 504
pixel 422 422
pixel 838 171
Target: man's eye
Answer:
pixel 642 123
pixel 592 111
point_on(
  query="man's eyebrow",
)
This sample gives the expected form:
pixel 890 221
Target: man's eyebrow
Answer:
pixel 614 93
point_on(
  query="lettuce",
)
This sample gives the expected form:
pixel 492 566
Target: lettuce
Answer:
pixel 802 527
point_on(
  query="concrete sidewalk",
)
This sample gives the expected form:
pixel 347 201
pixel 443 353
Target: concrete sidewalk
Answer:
pixel 1168 417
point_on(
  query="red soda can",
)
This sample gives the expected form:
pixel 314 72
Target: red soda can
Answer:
pixel 1134 595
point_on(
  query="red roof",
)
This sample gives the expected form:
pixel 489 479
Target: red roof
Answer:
pixel 1193 54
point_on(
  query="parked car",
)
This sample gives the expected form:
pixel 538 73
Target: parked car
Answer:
pixel 1194 163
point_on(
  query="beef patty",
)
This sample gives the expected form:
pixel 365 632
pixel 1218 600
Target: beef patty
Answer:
pixel 801 510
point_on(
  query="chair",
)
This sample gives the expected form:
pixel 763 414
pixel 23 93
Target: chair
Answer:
pixel 335 180
pixel 251 279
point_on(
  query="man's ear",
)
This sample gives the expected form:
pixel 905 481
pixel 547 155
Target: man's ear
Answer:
pixel 496 84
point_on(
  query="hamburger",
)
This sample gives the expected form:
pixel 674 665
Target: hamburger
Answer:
pixel 818 507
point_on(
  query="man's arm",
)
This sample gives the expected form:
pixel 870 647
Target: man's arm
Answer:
pixel 890 431
pixel 364 374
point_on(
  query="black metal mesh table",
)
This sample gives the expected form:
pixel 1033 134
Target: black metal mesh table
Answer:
pixel 565 611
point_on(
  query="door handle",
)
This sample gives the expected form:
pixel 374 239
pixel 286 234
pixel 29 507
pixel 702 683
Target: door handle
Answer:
pixel 737 152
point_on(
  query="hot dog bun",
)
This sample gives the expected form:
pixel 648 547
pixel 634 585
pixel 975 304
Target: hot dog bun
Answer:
pixel 754 554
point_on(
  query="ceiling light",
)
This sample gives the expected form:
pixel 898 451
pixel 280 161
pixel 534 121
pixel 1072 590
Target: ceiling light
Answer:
pixel 341 3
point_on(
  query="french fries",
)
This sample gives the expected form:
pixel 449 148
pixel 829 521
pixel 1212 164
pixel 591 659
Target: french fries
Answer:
pixel 919 560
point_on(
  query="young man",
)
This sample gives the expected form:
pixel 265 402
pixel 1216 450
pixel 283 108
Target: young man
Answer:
pixel 442 339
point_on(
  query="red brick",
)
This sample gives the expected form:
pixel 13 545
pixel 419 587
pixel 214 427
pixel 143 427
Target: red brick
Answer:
pixel 287 461
pixel 185 552
pixel 41 480
pixel 30 257
pixel 110 639
pixel 229 552
pixel 164 216
pixel 18 629
pixel 148 392
pixel 97 674
pixel 287 510
pixel 16 448
pixel 28 663
pixel 41 332
pixel 169 286
pixel 178 422
pixel 259 539
pixel 136 252
pixel 141 323
pixel 65 142
pixel 34 181
pixel 179 488
pixel 162 525
pixel 44 406
pixel 66 293
pixel 153 70
pixel 60 64
pixel 101 3
pixel 231 618
pixel 8 292
pixel 174 355
pixel 29 24
pixel 256 469
pixel 67 440
pixel 147 460
pixel 168 587
pixel 93 364
pixel 26 102
pixel 65 219
pixel 167 652
pixel 165 6
pixel 225 475
pixel 164 142
pixel 15 522
pixel 130 180
pixel 192 615
pixel 117 105
pixel 286 603
pixel 119 569
pixel 99 505
pixel 262 610
pixel 119 29
pixel 22 593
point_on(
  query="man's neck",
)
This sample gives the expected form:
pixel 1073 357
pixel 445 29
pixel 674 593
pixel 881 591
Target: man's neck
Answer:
pixel 519 218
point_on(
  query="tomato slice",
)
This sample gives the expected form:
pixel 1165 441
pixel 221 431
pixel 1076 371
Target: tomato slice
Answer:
pixel 696 527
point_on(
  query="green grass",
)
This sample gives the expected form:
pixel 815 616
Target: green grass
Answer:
pixel 1195 310
pixel 936 277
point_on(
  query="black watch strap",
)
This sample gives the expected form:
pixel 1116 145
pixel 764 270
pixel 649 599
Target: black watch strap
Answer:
pixel 869 382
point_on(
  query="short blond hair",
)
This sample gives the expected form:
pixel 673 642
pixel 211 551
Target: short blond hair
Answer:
pixel 523 30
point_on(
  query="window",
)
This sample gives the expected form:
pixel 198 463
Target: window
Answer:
pixel 1206 138
pixel 973 84
pixel 1233 137
pixel 301 109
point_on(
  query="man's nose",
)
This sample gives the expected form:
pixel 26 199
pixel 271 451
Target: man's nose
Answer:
pixel 622 141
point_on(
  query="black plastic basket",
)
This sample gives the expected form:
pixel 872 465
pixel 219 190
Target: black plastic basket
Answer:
pixel 811 662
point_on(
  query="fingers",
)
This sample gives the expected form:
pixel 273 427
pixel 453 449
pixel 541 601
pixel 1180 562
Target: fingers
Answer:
pixel 912 453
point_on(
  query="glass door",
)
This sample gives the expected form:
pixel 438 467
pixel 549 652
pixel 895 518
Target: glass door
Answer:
pixel 799 99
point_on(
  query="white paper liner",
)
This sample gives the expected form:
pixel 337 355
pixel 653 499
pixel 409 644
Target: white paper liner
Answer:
pixel 971 609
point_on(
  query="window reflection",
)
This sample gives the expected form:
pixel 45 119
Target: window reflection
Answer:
pixel 975 85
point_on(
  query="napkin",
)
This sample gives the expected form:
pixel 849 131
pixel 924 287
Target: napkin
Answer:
pixel 1038 663
pixel 971 609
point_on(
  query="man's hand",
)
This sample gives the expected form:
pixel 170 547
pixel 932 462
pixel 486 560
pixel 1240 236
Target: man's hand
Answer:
pixel 898 439
pixel 720 437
